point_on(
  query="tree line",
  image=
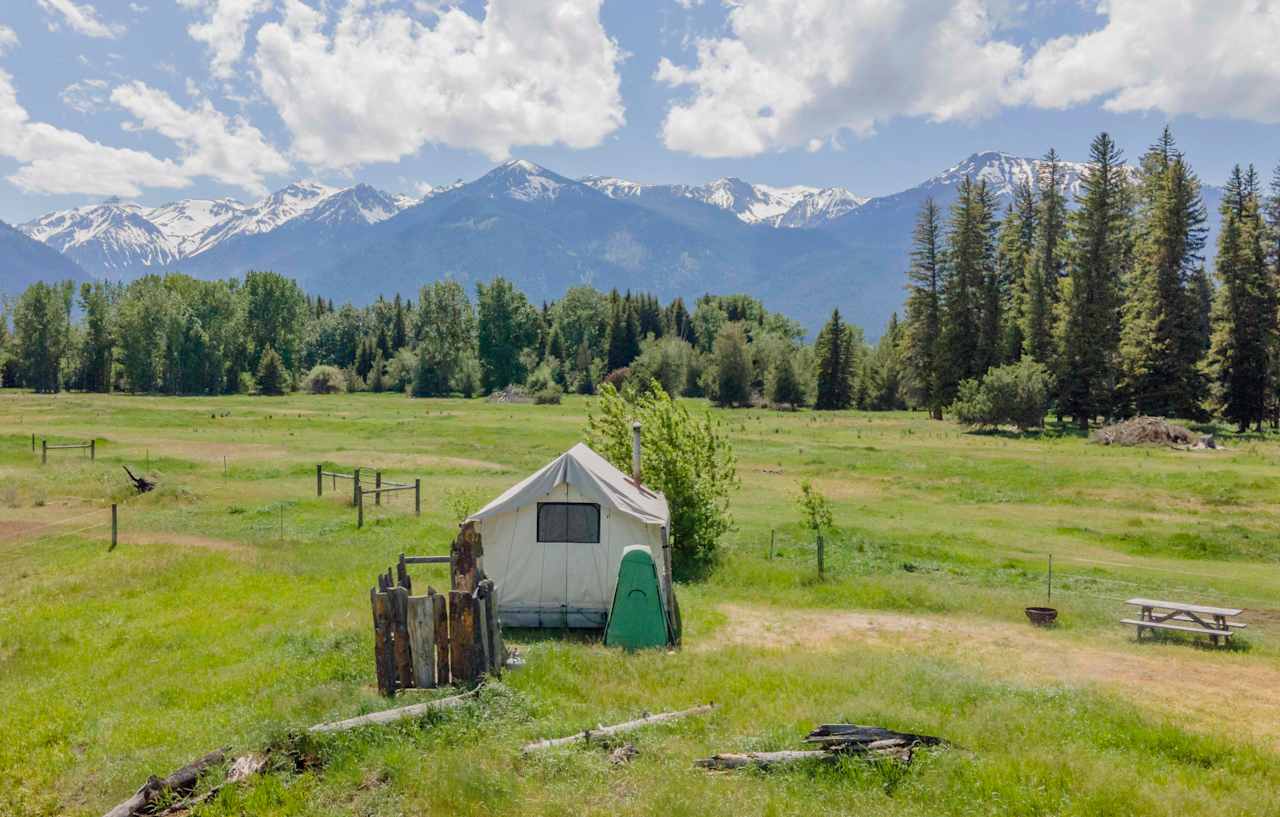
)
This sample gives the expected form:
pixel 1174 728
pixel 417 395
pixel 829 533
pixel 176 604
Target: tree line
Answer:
pixel 175 334
pixel 1097 311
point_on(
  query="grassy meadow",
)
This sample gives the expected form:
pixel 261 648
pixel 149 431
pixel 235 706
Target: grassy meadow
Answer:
pixel 234 613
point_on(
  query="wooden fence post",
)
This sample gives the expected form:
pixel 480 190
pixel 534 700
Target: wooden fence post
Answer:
pixel 359 506
pixel 33 442
pixel 377 485
pixel 355 490
pixel 114 527
pixel 381 648
pixel 465 558
pixel 44 452
pixel 820 555
pixel 399 598
pixel 402 575
pixel 422 642
pixel 319 479
pixel 440 619
pixel 417 497
pixel 93 450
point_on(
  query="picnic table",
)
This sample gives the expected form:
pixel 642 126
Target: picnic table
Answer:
pixel 1198 619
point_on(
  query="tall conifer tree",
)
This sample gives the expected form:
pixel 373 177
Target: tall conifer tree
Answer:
pixel 1244 317
pixel 1162 340
pixel 922 339
pixel 970 327
pixel 835 359
pixel 1046 264
pixel 1089 324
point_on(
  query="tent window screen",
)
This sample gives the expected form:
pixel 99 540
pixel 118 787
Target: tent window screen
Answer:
pixel 569 522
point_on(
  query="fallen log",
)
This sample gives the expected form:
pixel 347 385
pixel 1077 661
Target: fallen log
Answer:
pixel 242 768
pixel 601 731
pixel 851 737
pixel 181 781
pixel 761 760
pixel 393 715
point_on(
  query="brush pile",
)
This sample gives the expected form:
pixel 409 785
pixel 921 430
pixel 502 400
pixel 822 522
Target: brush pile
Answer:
pixel 1152 431
pixel 836 739
pixel 511 394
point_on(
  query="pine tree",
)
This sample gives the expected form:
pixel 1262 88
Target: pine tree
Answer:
pixel 834 348
pixel 1162 341
pixel 1046 264
pixel 1089 325
pixel 272 377
pixel 970 329
pixel 922 340
pixel 377 373
pixel 1014 250
pixel 1244 317
pixel 399 330
pixel 784 386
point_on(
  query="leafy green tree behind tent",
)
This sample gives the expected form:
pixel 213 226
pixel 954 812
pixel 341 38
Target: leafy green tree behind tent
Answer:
pixel 1088 335
pixel 687 458
pixel 731 365
pixel 98 340
pixel 507 326
pixel 784 387
pixel 445 328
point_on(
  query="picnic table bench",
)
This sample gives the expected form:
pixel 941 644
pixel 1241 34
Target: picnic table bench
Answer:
pixel 1198 619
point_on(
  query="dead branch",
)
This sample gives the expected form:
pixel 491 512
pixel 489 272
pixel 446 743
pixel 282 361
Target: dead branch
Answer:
pixel 393 715
pixel 601 731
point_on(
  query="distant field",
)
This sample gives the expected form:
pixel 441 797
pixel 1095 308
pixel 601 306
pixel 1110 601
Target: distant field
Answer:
pixel 207 627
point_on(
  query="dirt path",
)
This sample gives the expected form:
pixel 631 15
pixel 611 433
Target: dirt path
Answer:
pixel 1207 690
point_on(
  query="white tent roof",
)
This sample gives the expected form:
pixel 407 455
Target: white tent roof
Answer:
pixel 592 475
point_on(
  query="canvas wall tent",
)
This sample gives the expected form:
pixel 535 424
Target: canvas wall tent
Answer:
pixel 553 542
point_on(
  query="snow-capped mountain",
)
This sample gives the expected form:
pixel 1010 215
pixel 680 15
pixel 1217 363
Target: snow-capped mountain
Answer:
pixel 819 207
pixel 108 238
pixel 796 206
pixel 522 180
pixel 1003 172
pixel 117 238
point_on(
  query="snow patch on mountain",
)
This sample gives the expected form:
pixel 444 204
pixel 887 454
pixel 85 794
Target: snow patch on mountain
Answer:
pixel 820 207
pixel 795 206
pixel 107 236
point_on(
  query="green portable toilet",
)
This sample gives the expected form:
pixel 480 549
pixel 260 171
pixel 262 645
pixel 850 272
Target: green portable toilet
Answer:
pixel 636 619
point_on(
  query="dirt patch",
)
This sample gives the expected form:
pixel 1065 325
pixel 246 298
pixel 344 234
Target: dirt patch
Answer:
pixel 1167 679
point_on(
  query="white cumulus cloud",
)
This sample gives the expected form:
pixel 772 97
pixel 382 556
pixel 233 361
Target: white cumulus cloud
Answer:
pixel 379 85
pixel 227 149
pixel 1186 57
pixel 85 96
pixel 82 18
pixel 8 39
pixel 224 29
pixel 792 73
pixel 55 160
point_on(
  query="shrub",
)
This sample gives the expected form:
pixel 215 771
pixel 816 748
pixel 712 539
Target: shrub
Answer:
pixel 548 396
pixel 272 377
pixel 1016 394
pixel 400 370
pixel 617 378
pixel 354 381
pixel 687 458
pixel 665 360
pixel 325 379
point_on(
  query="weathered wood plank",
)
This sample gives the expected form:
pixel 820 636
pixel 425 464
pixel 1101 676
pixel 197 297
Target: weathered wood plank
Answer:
pixel 462 636
pixel 440 616
pixel 422 641
pixel 1187 608
pixel 382 657
pixel 600 731
pixel 399 598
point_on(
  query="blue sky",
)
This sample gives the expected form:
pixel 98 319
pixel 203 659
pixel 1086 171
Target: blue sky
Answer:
pixel 157 100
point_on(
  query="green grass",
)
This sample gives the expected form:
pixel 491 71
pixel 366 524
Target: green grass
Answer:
pixel 210 627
